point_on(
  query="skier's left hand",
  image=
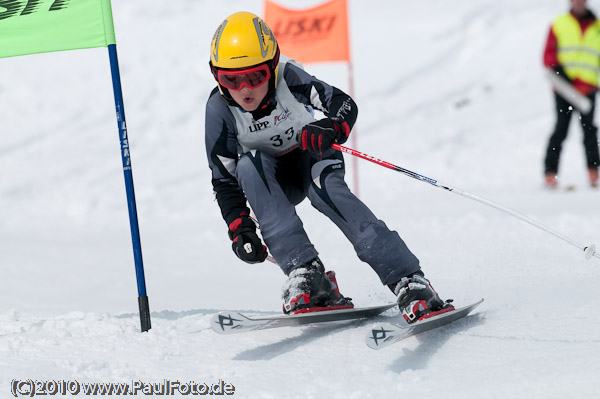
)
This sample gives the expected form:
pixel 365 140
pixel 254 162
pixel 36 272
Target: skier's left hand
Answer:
pixel 318 136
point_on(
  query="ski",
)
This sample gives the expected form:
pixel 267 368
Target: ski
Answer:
pixel 235 322
pixel 385 334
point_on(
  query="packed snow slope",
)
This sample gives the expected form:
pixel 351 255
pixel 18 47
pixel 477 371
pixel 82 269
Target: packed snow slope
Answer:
pixel 453 90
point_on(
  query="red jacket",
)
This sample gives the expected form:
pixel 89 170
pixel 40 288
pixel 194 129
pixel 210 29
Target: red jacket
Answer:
pixel 551 51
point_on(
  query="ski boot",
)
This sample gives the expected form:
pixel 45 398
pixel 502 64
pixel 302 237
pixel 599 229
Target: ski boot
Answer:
pixel 417 300
pixel 593 172
pixel 551 182
pixel 310 289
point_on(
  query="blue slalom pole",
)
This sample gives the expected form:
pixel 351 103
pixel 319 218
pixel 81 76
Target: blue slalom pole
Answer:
pixel 133 219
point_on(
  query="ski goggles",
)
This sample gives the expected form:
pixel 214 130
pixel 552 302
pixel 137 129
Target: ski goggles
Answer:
pixel 250 77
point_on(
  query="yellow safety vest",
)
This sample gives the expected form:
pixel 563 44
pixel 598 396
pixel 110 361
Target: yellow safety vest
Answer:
pixel 578 53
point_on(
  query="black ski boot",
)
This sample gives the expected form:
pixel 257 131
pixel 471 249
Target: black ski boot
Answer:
pixel 417 300
pixel 310 289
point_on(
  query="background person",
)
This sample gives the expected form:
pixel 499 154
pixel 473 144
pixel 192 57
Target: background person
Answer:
pixel 573 52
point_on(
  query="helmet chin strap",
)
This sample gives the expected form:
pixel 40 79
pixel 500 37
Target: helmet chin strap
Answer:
pixel 268 104
pixel 227 97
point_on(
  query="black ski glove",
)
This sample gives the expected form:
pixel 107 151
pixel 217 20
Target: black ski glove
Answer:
pixel 318 136
pixel 560 71
pixel 246 243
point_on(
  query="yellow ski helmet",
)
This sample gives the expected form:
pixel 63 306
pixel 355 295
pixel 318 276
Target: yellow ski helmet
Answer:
pixel 243 41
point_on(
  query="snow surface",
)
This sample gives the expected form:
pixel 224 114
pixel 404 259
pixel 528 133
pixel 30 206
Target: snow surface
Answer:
pixel 453 90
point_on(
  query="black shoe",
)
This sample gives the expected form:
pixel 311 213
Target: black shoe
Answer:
pixel 309 288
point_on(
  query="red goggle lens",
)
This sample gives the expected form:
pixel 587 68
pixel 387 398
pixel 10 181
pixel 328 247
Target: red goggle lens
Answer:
pixel 252 77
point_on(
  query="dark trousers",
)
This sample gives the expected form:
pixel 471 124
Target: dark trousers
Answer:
pixel 274 186
pixel 563 118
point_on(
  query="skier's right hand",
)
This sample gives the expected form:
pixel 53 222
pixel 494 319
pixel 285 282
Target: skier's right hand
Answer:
pixel 318 136
pixel 246 244
pixel 560 71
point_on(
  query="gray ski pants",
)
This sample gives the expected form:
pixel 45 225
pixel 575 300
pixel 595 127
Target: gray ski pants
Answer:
pixel 274 186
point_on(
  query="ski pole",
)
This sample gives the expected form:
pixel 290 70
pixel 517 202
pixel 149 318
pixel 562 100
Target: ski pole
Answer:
pixel 589 251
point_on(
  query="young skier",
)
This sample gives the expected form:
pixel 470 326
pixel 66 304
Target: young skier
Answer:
pixel 265 148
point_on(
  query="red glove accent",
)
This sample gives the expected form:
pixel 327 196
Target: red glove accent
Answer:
pixel 318 136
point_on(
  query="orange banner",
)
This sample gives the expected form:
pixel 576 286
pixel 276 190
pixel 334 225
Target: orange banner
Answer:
pixel 317 34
